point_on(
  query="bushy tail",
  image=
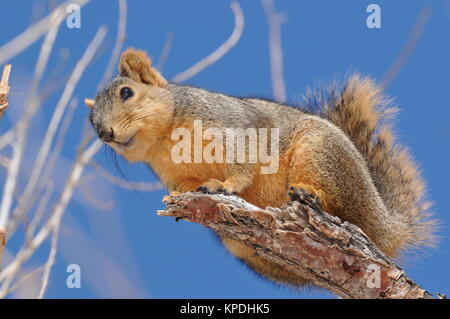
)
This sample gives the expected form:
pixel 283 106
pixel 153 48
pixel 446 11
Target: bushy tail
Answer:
pixel 362 111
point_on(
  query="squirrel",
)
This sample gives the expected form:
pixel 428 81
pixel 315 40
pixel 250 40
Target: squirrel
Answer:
pixel 340 149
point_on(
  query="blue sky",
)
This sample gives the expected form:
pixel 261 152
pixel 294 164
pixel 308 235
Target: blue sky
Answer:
pixel 128 250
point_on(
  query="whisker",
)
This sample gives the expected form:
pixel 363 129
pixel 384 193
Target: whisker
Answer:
pixel 111 160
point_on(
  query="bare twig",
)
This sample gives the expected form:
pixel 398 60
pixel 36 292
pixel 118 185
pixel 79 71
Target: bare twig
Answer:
pixel 61 137
pixel 4 161
pixel 24 204
pixel 90 197
pixel 120 39
pixel 44 189
pixel 21 129
pixel 2 244
pixel 303 240
pixel 33 33
pixel 134 186
pixel 414 37
pixel 45 181
pixel 8 274
pixel 165 52
pixel 4 89
pixel 50 261
pixel 220 51
pixel 24 279
pixel 46 220
pixel 6 139
pixel 40 210
pixel 275 20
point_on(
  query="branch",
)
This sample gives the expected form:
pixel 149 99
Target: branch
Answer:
pixel 304 240
pixel 7 275
pixel 220 51
pixel 41 159
pixel 275 20
pixel 410 45
pixel 37 30
pixel 4 89
pixel 125 184
pixel 50 262
pixel 2 244
pixel 165 52
pixel 120 39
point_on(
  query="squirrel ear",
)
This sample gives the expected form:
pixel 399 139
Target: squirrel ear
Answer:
pixel 136 65
pixel 89 102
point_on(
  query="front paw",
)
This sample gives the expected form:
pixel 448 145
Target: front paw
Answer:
pixel 214 186
pixel 206 190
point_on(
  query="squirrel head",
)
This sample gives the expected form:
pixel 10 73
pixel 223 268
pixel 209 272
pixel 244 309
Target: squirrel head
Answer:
pixel 135 109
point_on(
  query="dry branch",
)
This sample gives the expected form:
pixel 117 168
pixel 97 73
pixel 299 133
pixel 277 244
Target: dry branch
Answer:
pixel 37 30
pixel 275 20
pixel 2 244
pixel 4 89
pixel 84 156
pixel 304 240
pixel 25 203
pixel 220 51
pixel 413 39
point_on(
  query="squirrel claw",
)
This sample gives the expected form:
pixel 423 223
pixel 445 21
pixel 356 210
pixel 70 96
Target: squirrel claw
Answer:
pixel 203 189
pixel 225 192
pixel 206 190
pixel 302 196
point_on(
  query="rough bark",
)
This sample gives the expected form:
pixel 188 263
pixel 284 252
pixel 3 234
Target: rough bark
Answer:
pixel 4 89
pixel 302 239
pixel 2 244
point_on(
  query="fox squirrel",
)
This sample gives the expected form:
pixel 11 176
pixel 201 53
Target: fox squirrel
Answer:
pixel 342 152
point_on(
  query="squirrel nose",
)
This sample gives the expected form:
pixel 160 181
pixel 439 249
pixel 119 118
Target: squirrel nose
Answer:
pixel 107 135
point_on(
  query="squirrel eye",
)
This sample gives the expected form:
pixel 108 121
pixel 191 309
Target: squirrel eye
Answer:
pixel 126 93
